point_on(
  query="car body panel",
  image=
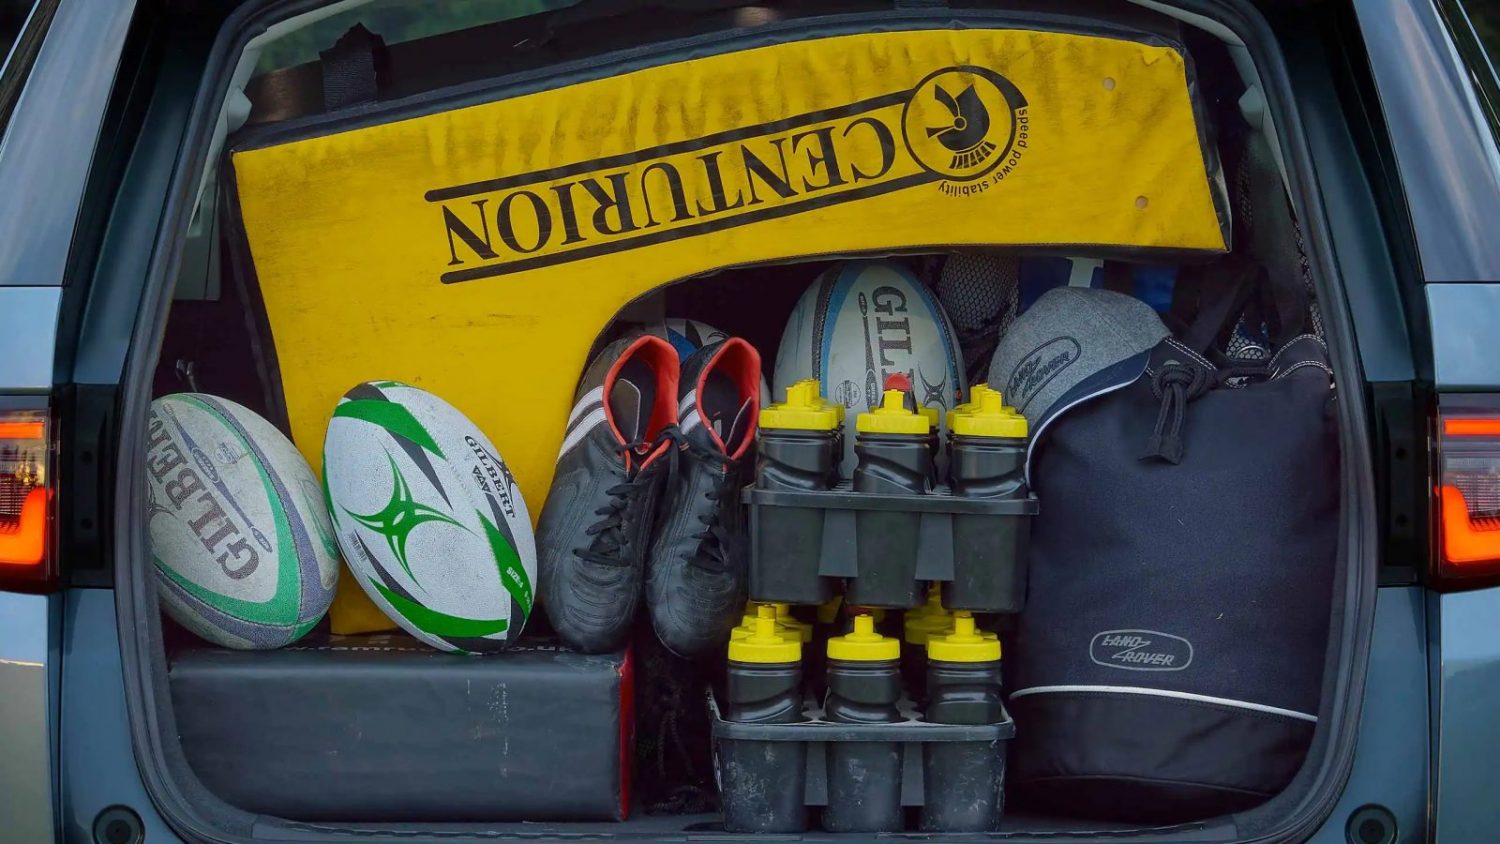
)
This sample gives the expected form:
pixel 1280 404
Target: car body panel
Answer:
pixel 1466 333
pixel 97 762
pixel 1449 164
pixel 1359 243
pixel 49 144
pixel 1390 762
pixel 30 318
pixel 1466 673
pixel 29 627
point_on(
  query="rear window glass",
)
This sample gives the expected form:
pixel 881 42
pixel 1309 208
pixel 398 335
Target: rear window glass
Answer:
pixel 397 21
pixel 17 18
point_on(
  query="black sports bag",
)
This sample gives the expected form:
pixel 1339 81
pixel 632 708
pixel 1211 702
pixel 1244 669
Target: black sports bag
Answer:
pixel 1168 664
pixel 1169 661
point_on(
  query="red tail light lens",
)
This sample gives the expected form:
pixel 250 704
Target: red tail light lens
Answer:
pixel 1468 496
pixel 25 499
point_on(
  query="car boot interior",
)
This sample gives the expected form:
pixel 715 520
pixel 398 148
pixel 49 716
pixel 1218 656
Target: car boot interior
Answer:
pixel 952 436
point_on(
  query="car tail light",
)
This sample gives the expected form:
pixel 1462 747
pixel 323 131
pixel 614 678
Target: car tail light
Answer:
pixel 26 502
pixel 1468 496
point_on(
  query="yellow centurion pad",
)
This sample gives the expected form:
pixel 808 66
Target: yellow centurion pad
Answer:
pixel 477 252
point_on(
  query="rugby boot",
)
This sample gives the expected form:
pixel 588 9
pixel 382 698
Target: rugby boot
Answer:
pixel 596 526
pixel 696 573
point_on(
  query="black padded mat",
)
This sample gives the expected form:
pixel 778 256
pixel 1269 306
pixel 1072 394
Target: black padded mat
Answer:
pixel 382 728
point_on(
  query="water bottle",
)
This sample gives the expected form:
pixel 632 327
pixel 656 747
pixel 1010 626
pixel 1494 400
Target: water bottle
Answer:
pixel 864 777
pixel 799 449
pixel 764 781
pixel 962 781
pixel 894 457
pixel 987 459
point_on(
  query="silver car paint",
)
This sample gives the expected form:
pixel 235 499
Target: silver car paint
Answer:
pixel 29 315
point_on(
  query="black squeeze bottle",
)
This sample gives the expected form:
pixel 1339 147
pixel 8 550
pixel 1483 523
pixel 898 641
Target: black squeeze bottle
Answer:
pixel 894 459
pixel 798 449
pixel 987 459
pixel 900 381
pixel 987 447
pixel 764 781
pixel 864 777
pixel 962 780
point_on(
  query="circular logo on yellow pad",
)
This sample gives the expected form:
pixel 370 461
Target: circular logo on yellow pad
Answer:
pixel 961 121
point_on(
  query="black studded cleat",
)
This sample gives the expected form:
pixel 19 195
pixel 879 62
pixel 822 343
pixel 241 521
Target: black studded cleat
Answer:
pixel 596 526
pixel 696 574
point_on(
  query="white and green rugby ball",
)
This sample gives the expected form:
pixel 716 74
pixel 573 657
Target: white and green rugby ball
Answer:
pixel 243 549
pixel 429 518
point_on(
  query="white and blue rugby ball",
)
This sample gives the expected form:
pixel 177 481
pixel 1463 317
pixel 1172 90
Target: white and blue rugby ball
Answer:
pixel 860 322
pixel 429 518
pixel 244 552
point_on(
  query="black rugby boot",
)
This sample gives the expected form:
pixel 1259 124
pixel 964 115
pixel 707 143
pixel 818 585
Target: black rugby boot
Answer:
pixel 596 526
pixel 696 574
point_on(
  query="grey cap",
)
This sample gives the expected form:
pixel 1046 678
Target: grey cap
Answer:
pixel 1070 334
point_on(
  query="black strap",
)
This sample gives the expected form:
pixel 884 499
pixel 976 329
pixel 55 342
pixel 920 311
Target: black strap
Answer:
pixel 1185 295
pixel 352 69
pixel 1223 299
pixel 1174 383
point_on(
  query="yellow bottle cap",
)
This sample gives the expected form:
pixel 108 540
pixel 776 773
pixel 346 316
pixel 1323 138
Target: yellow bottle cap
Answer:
pixel 766 644
pixel 892 417
pixel 791 623
pixel 928 620
pixel 925 607
pixel 785 622
pixel 863 644
pixel 989 417
pixel 953 414
pixel 965 643
pixel 934 628
pixel 930 627
pixel 976 393
pixel 803 410
pixel 817 390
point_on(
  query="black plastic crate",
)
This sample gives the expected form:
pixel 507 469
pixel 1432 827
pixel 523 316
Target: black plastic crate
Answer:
pixel 886 545
pixel 771 773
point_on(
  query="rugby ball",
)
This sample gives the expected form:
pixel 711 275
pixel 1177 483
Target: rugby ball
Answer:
pixel 244 552
pixel 429 518
pixel 690 335
pixel 861 321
